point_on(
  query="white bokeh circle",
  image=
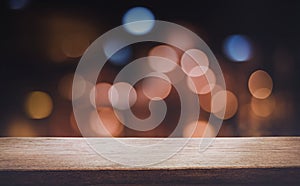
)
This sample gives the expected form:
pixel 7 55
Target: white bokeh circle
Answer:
pixel 130 153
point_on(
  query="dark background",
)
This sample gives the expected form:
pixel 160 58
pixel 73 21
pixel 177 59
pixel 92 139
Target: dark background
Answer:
pixel 28 34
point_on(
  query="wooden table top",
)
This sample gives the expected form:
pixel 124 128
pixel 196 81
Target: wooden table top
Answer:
pixel 60 161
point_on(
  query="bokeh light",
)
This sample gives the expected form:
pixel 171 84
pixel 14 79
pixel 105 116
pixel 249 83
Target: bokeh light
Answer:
pixel 65 86
pixel 17 4
pixel 180 39
pixel 163 51
pixel 197 129
pixel 260 84
pixel 156 88
pixel 142 100
pixel 176 75
pixel 224 100
pixel 122 95
pixel 38 105
pixel 194 62
pixel 202 84
pixel 21 127
pixel 104 122
pixel 99 95
pixel 206 99
pixel 138 14
pixel 263 107
pixel 119 57
pixel 74 45
pixel 237 48
pixel 66 36
pixel 45 40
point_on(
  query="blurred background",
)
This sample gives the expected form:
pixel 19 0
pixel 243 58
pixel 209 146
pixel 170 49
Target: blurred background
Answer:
pixel 255 42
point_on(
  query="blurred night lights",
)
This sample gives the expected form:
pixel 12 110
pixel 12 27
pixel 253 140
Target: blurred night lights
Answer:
pixel 206 99
pixel 260 84
pixel 263 107
pixel 194 62
pixel 163 51
pixel 224 101
pixel 120 57
pixel 131 18
pixel 75 45
pixel 202 84
pixel 62 35
pixel 197 129
pixel 99 95
pixel 104 123
pixel 65 86
pixel 38 105
pixel 21 127
pixel 122 95
pixel 237 48
pixel 150 89
pixel 180 39
pixel 18 4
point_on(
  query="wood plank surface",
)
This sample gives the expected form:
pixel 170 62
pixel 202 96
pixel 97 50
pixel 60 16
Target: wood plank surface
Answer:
pixel 61 161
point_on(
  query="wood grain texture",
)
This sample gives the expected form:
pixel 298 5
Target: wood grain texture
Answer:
pixel 61 161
